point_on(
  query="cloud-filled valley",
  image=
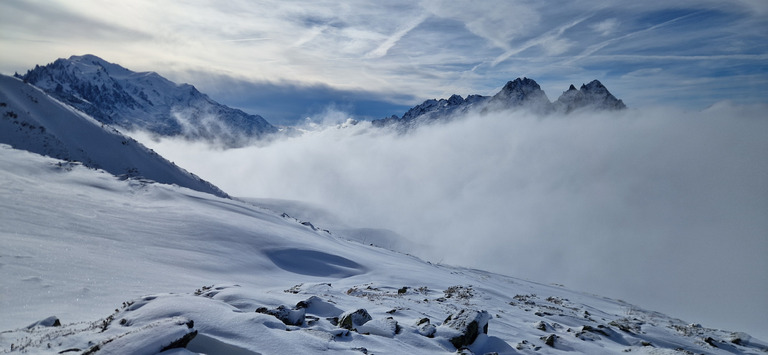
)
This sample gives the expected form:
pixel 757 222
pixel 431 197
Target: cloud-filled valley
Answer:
pixel 619 203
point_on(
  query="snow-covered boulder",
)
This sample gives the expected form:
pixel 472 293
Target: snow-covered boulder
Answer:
pixel 462 328
pixel 425 328
pixel 317 306
pixel 386 327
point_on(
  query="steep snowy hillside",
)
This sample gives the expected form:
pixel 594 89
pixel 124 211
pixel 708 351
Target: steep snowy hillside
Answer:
pixel 520 93
pixel 117 96
pixel 33 121
pixel 100 265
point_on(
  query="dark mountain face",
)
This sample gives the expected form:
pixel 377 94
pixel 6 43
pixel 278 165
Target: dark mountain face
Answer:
pixel 525 93
pixel 146 101
pixel 521 93
pixel 593 96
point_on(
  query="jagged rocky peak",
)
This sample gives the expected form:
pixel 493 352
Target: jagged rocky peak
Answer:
pixel 520 90
pixel 593 95
pixel 455 100
pixel 523 92
pixel 118 96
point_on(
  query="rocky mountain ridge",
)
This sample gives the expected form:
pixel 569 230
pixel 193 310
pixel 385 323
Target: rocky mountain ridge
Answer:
pixel 144 100
pixel 33 121
pixel 521 93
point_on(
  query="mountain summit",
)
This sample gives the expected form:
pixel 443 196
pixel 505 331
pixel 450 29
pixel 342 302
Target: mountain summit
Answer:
pixel 120 97
pixel 521 93
pixel 593 95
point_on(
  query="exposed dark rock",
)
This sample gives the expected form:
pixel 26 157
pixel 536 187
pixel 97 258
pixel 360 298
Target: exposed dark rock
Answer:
pixel 591 329
pixel 51 321
pixel 550 340
pixel 352 319
pixel 182 342
pixel 710 341
pixel 285 315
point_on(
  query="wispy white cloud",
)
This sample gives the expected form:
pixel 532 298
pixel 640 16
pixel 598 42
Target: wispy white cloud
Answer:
pixel 551 41
pixel 382 49
pixel 606 27
pixel 596 47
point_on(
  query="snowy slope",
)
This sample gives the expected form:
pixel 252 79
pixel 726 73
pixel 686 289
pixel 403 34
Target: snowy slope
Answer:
pixel 147 101
pixel 129 267
pixel 33 121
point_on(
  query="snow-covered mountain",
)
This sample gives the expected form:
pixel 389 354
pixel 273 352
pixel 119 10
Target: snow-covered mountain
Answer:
pixel 32 120
pixel 93 264
pixel 521 93
pixel 117 96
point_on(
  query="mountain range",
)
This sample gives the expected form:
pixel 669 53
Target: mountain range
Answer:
pixel 146 101
pixel 521 93
pixel 125 99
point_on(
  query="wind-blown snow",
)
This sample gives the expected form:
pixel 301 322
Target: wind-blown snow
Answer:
pixel 102 254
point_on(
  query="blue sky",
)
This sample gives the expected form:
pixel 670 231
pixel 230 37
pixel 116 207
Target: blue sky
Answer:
pixel 374 59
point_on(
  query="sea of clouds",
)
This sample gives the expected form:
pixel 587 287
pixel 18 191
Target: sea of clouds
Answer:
pixel 661 207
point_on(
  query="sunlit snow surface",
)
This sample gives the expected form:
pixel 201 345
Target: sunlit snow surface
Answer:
pixel 123 265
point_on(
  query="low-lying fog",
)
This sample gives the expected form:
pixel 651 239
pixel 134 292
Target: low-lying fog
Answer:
pixel 664 208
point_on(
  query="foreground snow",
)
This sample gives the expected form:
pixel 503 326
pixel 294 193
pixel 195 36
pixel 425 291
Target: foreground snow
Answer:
pixel 128 266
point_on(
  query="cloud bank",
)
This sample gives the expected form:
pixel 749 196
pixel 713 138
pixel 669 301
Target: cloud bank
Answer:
pixel 661 207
